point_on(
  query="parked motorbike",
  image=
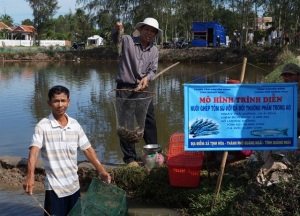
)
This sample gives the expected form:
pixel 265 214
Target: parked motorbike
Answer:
pixel 78 46
pixel 182 43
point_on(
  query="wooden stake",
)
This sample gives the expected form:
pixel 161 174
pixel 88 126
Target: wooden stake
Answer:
pixel 224 158
pixel 220 177
pixel 243 70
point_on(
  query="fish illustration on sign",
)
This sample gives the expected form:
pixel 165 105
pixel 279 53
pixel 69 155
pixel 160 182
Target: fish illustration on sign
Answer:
pixel 203 127
pixel 269 132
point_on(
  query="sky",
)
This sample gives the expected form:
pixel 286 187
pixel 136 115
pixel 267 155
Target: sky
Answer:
pixel 20 10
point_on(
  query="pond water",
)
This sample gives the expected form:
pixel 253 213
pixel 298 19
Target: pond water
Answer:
pixel 23 95
pixel 13 201
pixel 24 87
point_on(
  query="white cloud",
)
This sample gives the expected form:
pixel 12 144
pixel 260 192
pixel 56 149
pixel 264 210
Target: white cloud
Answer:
pixel 20 10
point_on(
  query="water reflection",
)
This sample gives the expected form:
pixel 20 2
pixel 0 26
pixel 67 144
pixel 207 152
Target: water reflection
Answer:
pixel 24 87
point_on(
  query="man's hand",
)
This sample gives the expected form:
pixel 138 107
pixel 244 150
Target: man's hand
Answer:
pixel 105 177
pixel 32 160
pixel 143 84
pixel 92 157
pixel 29 185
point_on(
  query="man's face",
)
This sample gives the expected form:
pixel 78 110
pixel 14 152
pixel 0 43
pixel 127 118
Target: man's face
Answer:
pixel 147 33
pixel 59 104
pixel 289 77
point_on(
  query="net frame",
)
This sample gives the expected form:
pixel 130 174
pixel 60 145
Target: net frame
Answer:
pixel 101 199
pixel 131 109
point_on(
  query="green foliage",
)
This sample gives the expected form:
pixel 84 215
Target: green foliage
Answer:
pixel 258 35
pixel 43 11
pixel 129 177
pixel 283 58
pixel 6 19
pixel 4 34
pixel 174 16
pixel 222 16
pixel 27 22
pixel 240 193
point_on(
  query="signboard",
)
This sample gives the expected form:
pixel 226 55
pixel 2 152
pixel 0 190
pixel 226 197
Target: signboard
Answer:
pixel 240 116
pixel 267 19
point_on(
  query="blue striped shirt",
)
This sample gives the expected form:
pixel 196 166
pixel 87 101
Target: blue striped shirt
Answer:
pixel 136 63
pixel 59 152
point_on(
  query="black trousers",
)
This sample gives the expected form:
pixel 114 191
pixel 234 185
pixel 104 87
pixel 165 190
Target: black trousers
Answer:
pixel 150 130
pixel 59 206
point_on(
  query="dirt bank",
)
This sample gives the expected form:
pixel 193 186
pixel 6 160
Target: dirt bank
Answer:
pixel 109 53
pixel 13 172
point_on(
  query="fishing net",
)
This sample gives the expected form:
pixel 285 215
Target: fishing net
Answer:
pixel 101 199
pixel 131 109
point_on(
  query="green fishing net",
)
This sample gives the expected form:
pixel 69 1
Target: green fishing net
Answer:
pixel 101 199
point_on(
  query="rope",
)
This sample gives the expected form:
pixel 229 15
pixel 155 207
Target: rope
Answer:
pixel 40 204
pixel 228 69
pixel 259 67
pixel 216 72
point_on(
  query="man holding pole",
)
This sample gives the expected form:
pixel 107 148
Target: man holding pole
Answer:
pixel 137 67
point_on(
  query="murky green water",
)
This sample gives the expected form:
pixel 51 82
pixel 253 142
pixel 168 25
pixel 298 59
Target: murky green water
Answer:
pixel 24 87
pixel 13 201
pixel 23 95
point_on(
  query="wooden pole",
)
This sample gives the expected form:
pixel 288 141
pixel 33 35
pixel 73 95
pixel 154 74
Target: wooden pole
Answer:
pixel 220 177
pixel 243 70
pixel 224 158
pixel 157 75
pixel 163 71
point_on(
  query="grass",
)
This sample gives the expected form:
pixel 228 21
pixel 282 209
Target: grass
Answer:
pixel 286 56
pixel 240 193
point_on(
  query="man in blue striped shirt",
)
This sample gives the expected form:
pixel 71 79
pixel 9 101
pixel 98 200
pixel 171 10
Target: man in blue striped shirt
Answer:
pixel 58 136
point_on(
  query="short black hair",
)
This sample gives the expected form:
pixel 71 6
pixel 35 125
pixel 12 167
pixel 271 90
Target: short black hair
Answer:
pixel 58 89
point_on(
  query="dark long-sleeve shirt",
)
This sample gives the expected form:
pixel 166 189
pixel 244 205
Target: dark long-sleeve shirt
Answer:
pixel 136 63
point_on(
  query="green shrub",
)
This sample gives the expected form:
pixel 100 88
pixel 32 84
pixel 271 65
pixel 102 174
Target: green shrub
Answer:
pixel 240 193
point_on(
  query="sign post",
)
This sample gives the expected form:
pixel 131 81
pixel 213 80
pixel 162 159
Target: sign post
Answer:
pixel 222 117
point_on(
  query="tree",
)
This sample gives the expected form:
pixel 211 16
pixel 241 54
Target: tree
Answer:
pixel 27 22
pixel 43 12
pixel 84 25
pixel 6 19
pixel 285 14
pixel 176 16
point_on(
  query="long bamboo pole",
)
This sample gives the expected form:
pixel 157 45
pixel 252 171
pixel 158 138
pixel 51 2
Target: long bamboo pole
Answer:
pixel 157 75
pixel 163 71
pixel 225 154
pixel 243 70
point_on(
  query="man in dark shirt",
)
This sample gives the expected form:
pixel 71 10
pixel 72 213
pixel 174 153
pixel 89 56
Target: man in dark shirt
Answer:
pixel 137 67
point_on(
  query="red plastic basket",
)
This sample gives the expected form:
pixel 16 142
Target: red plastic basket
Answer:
pixel 184 176
pixel 176 144
pixel 184 167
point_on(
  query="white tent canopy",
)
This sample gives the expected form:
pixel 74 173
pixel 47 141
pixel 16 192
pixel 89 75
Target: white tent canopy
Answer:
pixel 95 40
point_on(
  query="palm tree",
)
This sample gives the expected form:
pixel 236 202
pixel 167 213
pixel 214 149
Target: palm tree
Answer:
pixel 6 19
